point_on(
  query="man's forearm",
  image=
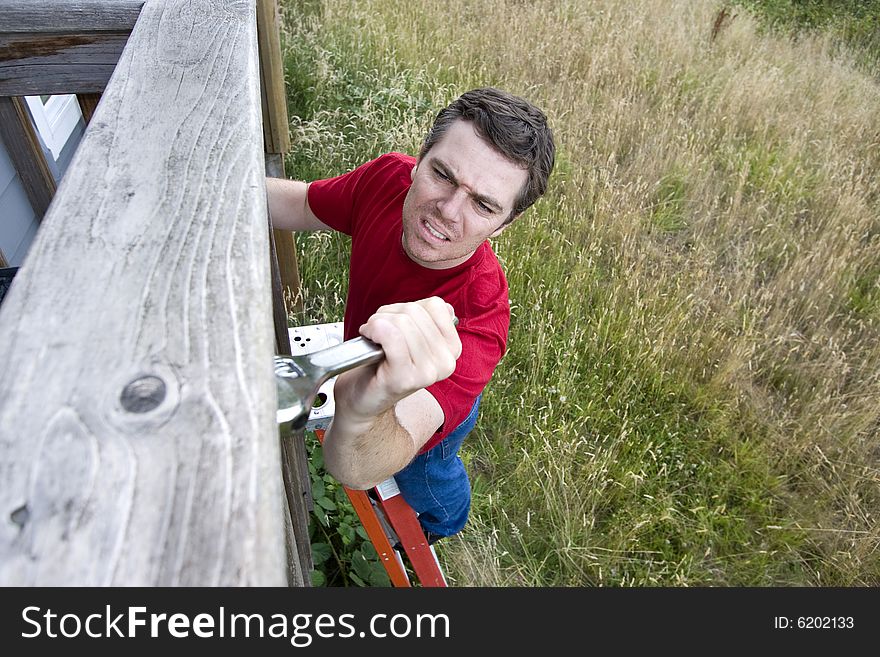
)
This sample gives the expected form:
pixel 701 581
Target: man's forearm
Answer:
pixel 361 453
pixel 384 412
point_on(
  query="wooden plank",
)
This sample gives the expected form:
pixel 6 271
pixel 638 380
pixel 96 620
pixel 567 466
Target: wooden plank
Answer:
pixel 23 145
pixel 294 459
pixel 58 63
pixel 88 103
pixel 276 131
pixel 62 46
pixel 279 312
pixel 138 443
pixel 294 463
pixel 297 500
pixel 285 245
pixel 296 574
pixel 31 16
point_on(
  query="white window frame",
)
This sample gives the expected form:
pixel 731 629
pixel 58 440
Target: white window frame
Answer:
pixel 55 119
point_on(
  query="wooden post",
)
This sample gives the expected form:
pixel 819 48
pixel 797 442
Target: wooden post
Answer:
pixel 289 294
pixel 294 458
pixel 88 103
pixel 285 245
pixel 274 96
pixel 138 443
pixel 276 135
pixel 23 146
pixel 285 271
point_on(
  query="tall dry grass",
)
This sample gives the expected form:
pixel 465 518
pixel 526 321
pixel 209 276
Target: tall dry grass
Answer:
pixel 692 391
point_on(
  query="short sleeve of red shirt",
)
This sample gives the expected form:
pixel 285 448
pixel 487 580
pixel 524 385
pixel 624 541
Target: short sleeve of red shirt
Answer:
pixel 339 202
pixel 367 204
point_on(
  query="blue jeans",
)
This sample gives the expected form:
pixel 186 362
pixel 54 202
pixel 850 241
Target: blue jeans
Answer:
pixel 436 484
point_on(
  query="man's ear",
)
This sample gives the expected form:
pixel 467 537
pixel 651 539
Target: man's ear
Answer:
pixel 412 174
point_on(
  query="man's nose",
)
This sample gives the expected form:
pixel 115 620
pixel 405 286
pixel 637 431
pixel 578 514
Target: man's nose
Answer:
pixel 452 206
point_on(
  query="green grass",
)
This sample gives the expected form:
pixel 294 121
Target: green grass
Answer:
pixel 864 295
pixel 853 23
pixel 690 395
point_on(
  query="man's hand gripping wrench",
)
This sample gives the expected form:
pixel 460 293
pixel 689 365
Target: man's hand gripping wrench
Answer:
pixel 299 377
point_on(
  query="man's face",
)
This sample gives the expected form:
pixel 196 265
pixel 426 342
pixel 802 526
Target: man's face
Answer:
pixel 463 190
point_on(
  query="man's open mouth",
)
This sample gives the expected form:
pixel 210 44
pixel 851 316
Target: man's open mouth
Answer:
pixel 435 233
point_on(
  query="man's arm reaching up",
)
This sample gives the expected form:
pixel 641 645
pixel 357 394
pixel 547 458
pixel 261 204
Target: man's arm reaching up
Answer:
pixel 289 206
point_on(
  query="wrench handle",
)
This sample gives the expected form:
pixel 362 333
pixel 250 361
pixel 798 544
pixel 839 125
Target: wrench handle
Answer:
pixel 349 354
pixel 345 356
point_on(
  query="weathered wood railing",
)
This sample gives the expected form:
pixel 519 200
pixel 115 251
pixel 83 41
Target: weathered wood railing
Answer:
pixel 138 443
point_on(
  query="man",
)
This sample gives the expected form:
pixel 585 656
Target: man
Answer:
pixel 420 257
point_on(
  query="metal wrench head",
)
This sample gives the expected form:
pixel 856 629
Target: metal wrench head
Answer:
pixel 296 390
pixel 298 378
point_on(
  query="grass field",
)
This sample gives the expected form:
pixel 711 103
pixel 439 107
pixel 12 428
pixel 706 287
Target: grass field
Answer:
pixel 691 394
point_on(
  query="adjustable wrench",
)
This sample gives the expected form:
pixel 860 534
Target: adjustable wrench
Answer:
pixel 298 378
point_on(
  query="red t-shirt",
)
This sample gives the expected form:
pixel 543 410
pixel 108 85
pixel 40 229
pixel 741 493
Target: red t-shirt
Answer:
pixel 367 204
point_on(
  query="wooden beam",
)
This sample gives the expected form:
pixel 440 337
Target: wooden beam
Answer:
pixel 58 63
pixel 276 131
pixel 279 314
pixel 294 458
pixel 137 395
pixel 299 501
pixel 88 103
pixel 33 16
pixel 62 46
pixel 285 246
pixel 23 145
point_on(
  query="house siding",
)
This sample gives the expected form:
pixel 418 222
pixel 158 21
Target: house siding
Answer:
pixel 18 223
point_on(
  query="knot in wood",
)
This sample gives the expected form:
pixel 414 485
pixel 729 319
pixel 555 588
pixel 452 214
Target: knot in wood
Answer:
pixel 143 394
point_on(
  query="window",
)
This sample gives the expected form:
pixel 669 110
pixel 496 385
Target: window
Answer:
pixel 55 118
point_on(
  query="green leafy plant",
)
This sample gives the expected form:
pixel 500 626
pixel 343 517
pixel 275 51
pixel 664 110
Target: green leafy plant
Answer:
pixel 341 549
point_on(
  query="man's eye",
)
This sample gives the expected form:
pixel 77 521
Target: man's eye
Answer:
pixel 441 175
pixel 484 208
